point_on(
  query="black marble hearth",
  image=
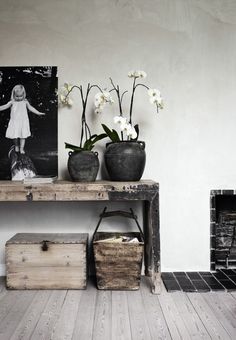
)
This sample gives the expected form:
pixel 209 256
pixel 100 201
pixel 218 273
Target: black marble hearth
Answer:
pixel 220 280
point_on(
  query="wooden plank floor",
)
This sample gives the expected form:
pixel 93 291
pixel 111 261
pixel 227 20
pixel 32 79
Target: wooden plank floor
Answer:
pixel 115 315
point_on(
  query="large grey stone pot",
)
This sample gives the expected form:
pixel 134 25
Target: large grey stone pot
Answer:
pixel 83 166
pixel 125 160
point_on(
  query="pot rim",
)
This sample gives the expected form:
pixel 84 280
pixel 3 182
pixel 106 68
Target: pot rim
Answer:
pixel 126 141
pixel 84 151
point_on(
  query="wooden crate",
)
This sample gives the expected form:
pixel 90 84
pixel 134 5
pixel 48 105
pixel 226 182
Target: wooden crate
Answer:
pixel 118 265
pixel 46 261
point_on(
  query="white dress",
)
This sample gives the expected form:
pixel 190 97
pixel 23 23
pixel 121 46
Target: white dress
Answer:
pixel 18 126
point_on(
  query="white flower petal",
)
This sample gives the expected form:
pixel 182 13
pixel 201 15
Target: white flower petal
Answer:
pixel 98 111
pixel 125 127
pixel 62 98
pixel 116 119
pixel 68 86
pixel 131 74
pixel 120 120
pixel 152 100
pixel 133 133
pixel 154 93
pixel 69 101
pixel 106 94
pixel 142 74
pixel 136 74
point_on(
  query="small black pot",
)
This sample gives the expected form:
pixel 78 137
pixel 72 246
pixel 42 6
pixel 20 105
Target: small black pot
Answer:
pixel 83 166
pixel 125 160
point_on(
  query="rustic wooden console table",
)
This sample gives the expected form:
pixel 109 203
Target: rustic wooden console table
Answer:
pixel 146 191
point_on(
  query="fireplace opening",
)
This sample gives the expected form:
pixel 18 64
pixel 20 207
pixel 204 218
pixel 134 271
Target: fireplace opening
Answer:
pixel 223 229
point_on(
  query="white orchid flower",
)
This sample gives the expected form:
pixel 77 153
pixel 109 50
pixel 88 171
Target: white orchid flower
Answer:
pixel 125 127
pixel 120 120
pixel 69 101
pixel 137 74
pixel 131 132
pixel 97 102
pixel 98 99
pixel 154 93
pixel 161 104
pixel 106 95
pixel 65 100
pixel 98 110
pixel 103 97
pixel 153 100
pixel 68 87
pixel 62 98
pixel 131 74
pixel 128 129
pixel 142 74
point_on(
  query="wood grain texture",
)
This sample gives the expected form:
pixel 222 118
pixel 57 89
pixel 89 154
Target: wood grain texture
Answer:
pixel 173 318
pixel 84 325
pixel 69 191
pixel 64 327
pixel 9 324
pixel 116 315
pixel 223 314
pixel 120 316
pixel 188 314
pixel 62 266
pixel 208 317
pixel 118 265
pixel 57 255
pixel 138 321
pixel 7 302
pixel 49 317
pixel 46 278
pixel 102 320
pixel 38 238
pixel 155 318
pixel 29 320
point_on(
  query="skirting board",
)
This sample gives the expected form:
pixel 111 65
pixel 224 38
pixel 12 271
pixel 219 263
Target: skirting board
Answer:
pixel 2 270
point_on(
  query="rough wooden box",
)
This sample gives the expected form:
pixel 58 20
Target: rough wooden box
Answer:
pixel 118 265
pixel 46 261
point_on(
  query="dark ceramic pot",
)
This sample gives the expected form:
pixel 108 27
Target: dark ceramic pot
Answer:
pixel 125 160
pixel 83 166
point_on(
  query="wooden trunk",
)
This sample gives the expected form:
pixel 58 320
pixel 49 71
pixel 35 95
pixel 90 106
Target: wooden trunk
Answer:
pixel 118 265
pixel 47 261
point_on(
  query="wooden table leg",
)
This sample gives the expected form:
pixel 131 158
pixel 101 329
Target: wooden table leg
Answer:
pixel 152 242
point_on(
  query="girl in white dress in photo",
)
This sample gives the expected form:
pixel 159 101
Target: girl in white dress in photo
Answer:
pixel 18 127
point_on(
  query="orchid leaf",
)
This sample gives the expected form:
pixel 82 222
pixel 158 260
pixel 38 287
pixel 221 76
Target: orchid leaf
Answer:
pixel 112 134
pixel 89 143
pixel 73 147
pixel 115 134
pixel 99 137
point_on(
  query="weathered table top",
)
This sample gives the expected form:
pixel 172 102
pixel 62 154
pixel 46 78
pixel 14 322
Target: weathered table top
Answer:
pixel 76 191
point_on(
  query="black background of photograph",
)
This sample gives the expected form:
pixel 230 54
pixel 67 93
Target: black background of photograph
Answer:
pixel 41 85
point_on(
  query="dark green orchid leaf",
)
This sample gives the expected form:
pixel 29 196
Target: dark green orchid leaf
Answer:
pixel 112 134
pixel 72 147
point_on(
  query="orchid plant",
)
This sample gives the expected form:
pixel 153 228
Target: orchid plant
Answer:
pixel 87 140
pixel 126 124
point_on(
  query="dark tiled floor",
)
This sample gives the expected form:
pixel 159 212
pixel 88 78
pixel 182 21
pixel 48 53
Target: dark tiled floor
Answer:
pixel 221 280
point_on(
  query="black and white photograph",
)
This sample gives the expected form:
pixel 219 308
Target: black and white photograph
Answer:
pixel 28 122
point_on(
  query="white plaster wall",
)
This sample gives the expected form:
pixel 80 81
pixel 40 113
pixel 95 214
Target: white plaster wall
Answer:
pixel 187 48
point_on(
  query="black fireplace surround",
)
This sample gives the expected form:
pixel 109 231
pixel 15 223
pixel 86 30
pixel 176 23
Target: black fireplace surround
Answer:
pixel 223 229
